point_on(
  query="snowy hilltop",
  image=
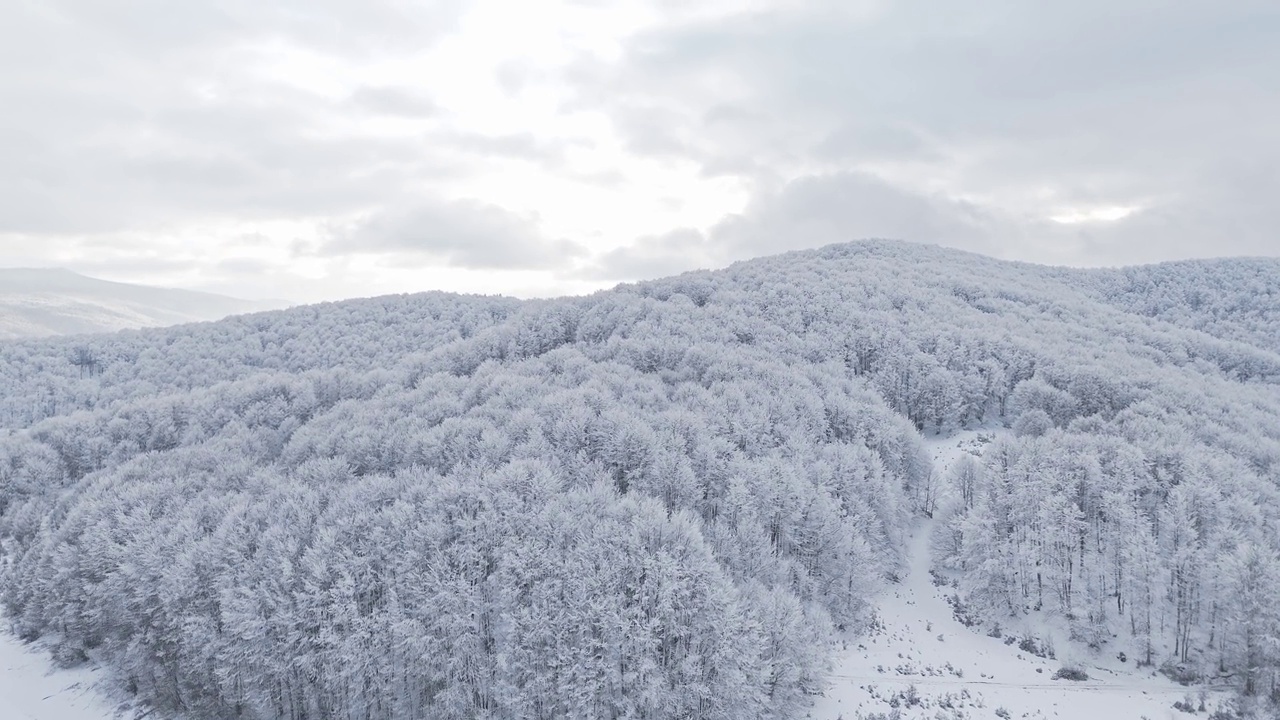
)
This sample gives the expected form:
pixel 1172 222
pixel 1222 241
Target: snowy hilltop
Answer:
pixel 730 494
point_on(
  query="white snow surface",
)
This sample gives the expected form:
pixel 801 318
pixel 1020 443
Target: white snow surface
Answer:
pixel 960 672
pixel 31 688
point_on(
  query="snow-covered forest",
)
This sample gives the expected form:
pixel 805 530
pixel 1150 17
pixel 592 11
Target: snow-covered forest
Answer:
pixel 669 499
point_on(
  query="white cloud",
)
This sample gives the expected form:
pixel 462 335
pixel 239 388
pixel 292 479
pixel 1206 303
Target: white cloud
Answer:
pixel 1103 214
pixel 580 142
pixel 461 233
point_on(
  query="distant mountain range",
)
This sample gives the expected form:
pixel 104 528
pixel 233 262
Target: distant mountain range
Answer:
pixel 45 302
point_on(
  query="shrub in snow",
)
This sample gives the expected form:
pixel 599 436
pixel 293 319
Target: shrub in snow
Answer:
pixel 1039 648
pixel 1181 673
pixel 1071 672
pixel 961 612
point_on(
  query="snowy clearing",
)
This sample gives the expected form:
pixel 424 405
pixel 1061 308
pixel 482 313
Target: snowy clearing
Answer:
pixel 31 688
pixel 959 672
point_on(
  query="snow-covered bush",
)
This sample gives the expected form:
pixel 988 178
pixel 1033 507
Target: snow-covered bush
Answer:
pixel 1074 673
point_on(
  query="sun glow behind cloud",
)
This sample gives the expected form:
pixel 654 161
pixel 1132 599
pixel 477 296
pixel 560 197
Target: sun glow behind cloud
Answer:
pixel 1100 214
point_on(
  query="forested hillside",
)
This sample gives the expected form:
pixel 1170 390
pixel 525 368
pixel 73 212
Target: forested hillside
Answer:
pixel 664 500
pixel 1232 298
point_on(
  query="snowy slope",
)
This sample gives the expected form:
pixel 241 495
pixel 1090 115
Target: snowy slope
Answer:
pixel 35 303
pixel 958 672
pixel 32 689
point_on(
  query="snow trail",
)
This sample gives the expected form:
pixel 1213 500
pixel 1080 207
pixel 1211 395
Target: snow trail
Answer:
pixel 923 662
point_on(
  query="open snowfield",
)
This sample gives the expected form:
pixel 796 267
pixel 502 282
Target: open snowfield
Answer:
pixel 31 688
pixel 958 672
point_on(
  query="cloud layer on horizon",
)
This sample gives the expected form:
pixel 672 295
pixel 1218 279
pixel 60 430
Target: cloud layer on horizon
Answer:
pixel 223 143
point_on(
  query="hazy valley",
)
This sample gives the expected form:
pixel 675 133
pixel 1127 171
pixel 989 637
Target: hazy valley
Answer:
pixel 38 302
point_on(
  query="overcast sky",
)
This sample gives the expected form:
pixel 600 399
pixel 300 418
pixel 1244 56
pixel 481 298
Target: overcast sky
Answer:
pixel 318 149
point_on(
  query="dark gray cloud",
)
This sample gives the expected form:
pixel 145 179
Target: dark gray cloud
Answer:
pixel 513 76
pixel 258 157
pixel 124 115
pixel 655 256
pixel 520 146
pixel 817 210
pixel 1227 213
pixel 244 266
pixel 1141 103
pixel 820 210
pixel 808 213
pixel 101 264
pixel 404 102
pixel 853 141
pixel 156 28
pixel 462 233
pixel 963 71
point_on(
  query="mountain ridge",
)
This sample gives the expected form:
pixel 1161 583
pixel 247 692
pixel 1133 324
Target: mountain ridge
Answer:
pixel 38 302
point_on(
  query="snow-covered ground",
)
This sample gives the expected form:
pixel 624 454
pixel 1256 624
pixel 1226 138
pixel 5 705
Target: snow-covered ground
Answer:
pixel 958 672
pixel 31 688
